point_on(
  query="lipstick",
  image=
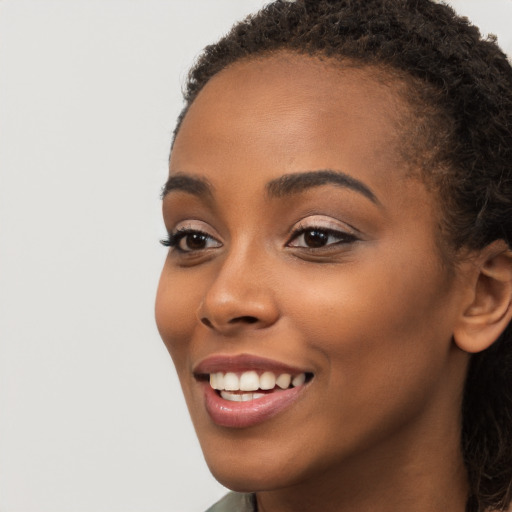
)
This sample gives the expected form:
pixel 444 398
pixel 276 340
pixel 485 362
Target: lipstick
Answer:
pixel 243 391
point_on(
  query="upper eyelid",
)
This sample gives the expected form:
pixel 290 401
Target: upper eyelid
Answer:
pixel 182 232
pixel 297 233
pixel 321 222
pixel 195 225
pixel 308 222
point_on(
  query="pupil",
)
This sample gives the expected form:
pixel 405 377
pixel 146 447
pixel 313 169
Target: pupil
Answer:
pixel 196 241
pixel 315 238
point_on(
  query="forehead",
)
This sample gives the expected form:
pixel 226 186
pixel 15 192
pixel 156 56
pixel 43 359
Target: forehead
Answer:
pixel 295 104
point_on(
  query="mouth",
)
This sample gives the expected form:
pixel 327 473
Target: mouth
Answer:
pixel 252 385
pixel 244 391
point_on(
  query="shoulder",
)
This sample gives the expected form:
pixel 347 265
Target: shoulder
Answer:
pixel 235 502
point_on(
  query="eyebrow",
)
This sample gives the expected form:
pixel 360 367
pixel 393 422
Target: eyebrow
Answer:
pixel 286 185
pixel 298 182
pixel 194 185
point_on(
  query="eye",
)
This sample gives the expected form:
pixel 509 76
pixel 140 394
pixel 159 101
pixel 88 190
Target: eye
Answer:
pixel 319 237
pixel 190 240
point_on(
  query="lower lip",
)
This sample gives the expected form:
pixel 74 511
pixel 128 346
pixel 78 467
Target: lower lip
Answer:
pixel 226 413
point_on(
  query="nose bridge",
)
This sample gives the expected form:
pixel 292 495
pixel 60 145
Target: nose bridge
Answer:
pixel 242 293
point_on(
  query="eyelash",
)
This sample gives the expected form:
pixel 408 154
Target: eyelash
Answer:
pixel 173 239
pixel 342 236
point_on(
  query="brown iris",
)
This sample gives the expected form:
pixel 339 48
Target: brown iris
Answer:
pixel 195 241
pixel 314 238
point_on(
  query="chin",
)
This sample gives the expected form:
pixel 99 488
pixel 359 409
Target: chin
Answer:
pixel 249 468
pixel 249 478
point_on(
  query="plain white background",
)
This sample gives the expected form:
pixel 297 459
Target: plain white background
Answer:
pixel 91 414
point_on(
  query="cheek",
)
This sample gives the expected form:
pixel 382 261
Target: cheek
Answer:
pixel 382 351
pixel 177 301
pixel 358 298
pixel 373 328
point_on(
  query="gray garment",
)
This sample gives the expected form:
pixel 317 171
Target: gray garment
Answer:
pixel 235 502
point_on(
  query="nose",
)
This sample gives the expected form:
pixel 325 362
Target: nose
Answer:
pixel 240 297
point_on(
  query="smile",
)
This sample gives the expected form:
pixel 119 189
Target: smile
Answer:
pixel 252 386
pixel 244 391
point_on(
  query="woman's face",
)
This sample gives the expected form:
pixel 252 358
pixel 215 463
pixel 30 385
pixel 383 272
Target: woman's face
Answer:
pixel 302 247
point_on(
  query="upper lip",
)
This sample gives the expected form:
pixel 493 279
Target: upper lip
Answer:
pixel 243 362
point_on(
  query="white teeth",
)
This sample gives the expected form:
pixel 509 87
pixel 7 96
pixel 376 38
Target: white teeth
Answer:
pixel 249 381
pixel 232 397
pixel 240 397
pixel 217 380
pixel 267 380
pixel 299 380
pixel 231 382
pixel 283 381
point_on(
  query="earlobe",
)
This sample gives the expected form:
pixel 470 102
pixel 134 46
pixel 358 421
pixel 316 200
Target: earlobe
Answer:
pixel 489 310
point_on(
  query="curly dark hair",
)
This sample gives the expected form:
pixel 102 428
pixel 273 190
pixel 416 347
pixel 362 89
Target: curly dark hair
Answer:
pixel 459 88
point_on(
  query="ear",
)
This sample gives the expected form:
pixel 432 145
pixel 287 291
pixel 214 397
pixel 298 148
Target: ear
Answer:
pixel 488 309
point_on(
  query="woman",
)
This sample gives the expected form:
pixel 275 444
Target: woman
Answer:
pixel 337 293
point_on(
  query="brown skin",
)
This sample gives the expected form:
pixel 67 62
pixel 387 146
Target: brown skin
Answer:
pixel 373 316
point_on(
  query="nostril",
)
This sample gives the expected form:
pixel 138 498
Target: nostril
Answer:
pixel 207 322
pixel 244 319
pixel 236 321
